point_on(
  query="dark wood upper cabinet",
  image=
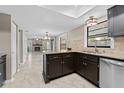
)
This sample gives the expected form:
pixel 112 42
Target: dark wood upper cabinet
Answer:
pixel 115 21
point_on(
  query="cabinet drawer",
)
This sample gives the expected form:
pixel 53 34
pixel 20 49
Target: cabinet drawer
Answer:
pixel 90 58
pixel 67 55
pixel 53 57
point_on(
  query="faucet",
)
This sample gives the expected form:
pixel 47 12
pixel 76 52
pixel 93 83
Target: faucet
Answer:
pixel 95 46
pixel 96 50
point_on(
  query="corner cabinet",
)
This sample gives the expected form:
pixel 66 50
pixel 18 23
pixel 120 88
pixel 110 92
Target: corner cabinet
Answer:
pixel 115 21
pixel 60 64
pixel 88 67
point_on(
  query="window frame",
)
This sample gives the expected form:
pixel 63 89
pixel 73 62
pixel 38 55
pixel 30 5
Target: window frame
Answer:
pixel 97 45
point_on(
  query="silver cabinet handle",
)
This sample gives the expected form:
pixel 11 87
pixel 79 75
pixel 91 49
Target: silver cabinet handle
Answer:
pixel 0 74
pixel 85 64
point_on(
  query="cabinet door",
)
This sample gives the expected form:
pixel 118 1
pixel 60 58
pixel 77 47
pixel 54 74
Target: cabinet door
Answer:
pixel 115 21
pixel 91 71
pixel 54 66
pixel 68 63
pixel 81 67
pixel 77 62
pixel 118 20
pixel 2 72
pixel 110 21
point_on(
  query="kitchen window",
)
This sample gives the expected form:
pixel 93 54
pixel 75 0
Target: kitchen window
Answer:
pixel 97 35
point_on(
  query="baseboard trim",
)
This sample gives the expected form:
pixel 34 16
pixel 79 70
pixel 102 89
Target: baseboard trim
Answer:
pixel 18 70
pixel 9 81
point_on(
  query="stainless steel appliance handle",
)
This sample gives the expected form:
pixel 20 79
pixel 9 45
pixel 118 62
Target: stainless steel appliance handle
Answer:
pixel 118 63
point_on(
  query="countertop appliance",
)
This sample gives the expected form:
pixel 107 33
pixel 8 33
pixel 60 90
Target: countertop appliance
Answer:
pixel 111 73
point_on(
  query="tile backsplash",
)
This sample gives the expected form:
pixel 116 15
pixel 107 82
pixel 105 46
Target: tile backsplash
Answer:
pixel 76 42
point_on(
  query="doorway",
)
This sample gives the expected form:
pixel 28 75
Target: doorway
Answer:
pixel 13 49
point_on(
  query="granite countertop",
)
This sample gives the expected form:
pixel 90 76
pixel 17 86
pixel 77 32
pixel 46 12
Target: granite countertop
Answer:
pixel 57 52
pixel 106 55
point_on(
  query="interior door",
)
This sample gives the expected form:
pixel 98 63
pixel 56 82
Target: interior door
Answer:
pixel 13 49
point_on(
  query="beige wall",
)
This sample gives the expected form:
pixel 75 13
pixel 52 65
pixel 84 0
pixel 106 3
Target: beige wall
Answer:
pixel 5 40
pixel 76 39
pixel 73 39
pixel 5 22
pixel 5 45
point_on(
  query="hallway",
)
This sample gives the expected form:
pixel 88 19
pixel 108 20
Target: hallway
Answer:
pixel 30 76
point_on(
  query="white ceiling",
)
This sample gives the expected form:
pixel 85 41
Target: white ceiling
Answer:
pixel 74 11
pixel 53 19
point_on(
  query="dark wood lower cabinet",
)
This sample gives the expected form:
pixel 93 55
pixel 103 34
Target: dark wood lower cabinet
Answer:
pixel 68 64
pixel 91 71
pixel 80 65
pixel 87 66
pixel 54 69
pixel 56 65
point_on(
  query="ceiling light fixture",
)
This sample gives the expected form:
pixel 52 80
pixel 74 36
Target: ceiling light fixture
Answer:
pixel 47 37
pixel 37 39
pixel 91 21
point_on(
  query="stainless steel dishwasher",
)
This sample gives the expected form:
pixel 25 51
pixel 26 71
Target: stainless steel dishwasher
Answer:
pixel 111 73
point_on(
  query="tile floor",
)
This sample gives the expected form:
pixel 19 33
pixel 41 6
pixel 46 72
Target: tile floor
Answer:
pixel 30 76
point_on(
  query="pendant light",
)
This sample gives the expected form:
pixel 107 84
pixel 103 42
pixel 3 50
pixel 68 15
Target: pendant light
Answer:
pixel 91 21
pixel 47 37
